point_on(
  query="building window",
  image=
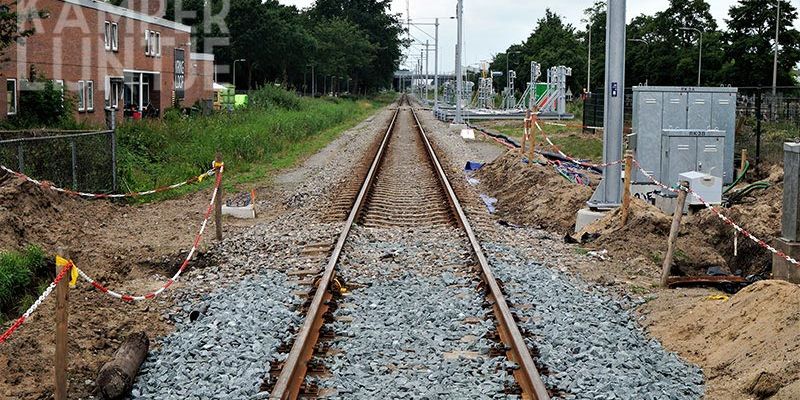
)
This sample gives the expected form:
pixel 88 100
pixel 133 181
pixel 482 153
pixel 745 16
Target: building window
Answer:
pixel 107 37
pixel 11 96
pixel 152 43
pixel 114 36
pixel 89 95
pixel 81 96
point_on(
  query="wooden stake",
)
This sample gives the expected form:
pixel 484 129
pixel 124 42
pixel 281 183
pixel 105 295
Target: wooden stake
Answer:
pixel 62 313
pixel 218 201
pixel 744 160
pixel 524 137
pixel 673 234
pixel 116 376
pixel 626 191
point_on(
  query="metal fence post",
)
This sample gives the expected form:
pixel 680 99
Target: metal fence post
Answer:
pixel 20 158
pixel 74 164
pixel 113 159
pixel 758 127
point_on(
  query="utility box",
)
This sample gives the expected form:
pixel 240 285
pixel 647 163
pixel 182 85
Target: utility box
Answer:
pixel 708 187
pixel 684 150
pixel 662 112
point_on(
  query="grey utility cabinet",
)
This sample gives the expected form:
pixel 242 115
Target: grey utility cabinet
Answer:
pixel 659 112
pixel 686 150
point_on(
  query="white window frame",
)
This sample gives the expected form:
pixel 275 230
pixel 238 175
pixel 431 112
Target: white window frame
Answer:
pixel 107 37
pixel 158 44
pixel 9 110
pixel 81 96
pixel 114 36
pixel 89 98
pixel 147 42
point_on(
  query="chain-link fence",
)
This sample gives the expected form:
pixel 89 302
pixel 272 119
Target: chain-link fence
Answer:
pixel 79 160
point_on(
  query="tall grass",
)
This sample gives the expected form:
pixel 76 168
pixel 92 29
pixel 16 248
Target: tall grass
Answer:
pixel 19 275
pixel 154 153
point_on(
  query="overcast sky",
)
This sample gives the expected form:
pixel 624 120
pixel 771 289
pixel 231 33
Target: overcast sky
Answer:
pixel 491 26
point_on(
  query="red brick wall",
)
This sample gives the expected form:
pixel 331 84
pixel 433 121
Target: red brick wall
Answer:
pixel 69 46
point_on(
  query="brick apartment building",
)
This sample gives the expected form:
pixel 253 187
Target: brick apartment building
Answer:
pixel 107 57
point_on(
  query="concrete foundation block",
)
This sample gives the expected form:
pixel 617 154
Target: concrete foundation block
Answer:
pixel 782 269
pixel 246 212
pixel 586 217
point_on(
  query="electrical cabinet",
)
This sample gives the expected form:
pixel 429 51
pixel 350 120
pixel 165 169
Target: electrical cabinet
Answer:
pixel 659 110
pixel 686 150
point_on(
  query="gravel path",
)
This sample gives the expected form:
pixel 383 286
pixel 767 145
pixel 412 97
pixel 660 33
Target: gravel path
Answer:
pixel 417 330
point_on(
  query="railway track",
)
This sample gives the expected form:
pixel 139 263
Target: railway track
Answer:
pixel 405 197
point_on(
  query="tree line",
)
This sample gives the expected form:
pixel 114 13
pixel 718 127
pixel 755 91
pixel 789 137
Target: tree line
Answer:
pixel 354 43
pixel 663 49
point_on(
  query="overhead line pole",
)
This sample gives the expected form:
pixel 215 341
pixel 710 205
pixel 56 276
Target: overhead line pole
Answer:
pixel 459 118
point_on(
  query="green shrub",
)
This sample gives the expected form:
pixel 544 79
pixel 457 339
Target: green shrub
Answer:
pixel 273 96
pixel 18 273
pixel 43 104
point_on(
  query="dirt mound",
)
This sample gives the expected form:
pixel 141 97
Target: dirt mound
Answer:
pixel 747 344
pixel 533 194
pixel 645 237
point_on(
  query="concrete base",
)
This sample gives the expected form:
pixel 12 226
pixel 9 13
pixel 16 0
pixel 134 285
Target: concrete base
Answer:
pixel 587 217
pixel 468 134
pixel 782 269
pixel 667 205
pixel 246 212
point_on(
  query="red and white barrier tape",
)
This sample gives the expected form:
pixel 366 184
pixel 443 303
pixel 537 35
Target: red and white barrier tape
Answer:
pixel 107 196
pixel 721 216
pixel 171 281
pixel 37 303
pixel 581 163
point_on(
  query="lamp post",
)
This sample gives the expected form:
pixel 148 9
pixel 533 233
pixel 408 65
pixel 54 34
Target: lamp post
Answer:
pixel 589 59
pixel 459 118
pixel 700 58
pixel 234 71
pixel 647 43
pixel 775 60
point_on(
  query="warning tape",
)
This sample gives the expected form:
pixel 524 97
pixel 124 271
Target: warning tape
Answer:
pixel 66 266
pixel 721 216
pixel 47 185
pixel 171 281
pixel 572 159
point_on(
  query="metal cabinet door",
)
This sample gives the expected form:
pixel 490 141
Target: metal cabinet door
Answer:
pixel 649 107
pixel 674 110
pixel 723 118
pixel 699 111
pixel 710 155
pixel 681 156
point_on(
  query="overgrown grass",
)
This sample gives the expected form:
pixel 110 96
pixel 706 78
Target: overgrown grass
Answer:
pixel 274 132
pixel 19 278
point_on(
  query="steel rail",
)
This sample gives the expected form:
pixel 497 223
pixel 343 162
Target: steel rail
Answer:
pixel 293 373
pixel 527 375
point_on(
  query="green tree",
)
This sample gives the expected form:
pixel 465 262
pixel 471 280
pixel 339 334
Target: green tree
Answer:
pixel 342 48
pixel 750 42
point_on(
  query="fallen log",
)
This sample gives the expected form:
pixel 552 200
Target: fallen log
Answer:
pixel 116 377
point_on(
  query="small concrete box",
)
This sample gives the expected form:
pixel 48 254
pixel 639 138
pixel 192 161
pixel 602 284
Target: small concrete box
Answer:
pixel 708 187
pixel 660 108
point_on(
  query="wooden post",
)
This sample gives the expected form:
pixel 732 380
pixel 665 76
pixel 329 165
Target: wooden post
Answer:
pixel 218 200
pixel 533 136
pixel 626 191
pixel 744 160
pixel 525 132
pixel 673 234
pixel 62 312
pixel 116 376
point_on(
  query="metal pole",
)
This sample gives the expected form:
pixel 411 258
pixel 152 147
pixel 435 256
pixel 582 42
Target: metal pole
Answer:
pixel 113 158
pixel 758 127
pixel 700 61
pixel 427 75
pixel 313 82
pixel 609 193
pixel 74 164
pixel 589 62
pixel 436 67
pixel 775 61
pixel 459 119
